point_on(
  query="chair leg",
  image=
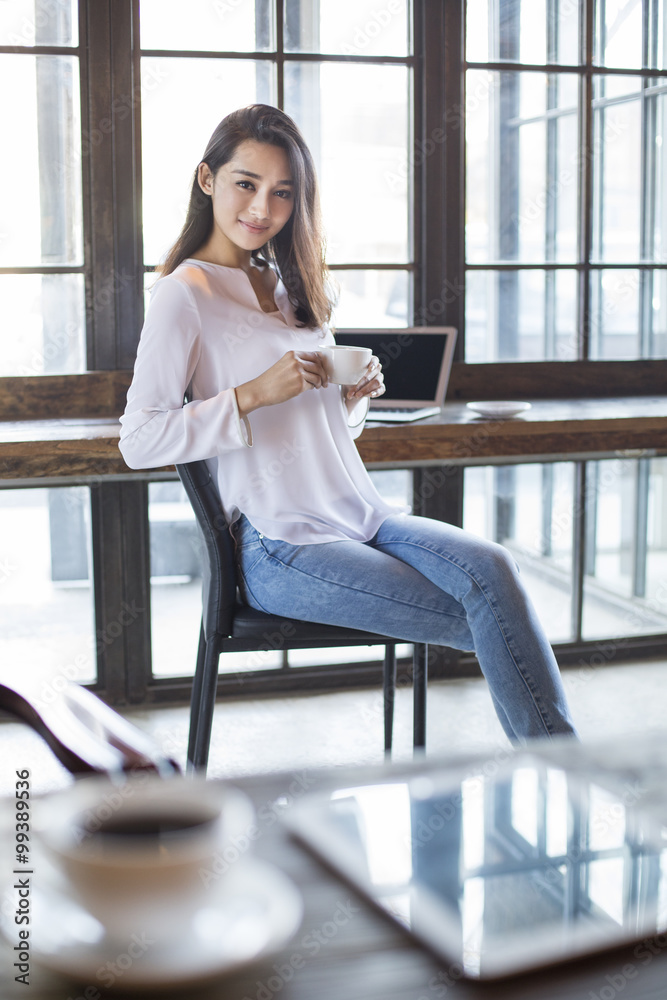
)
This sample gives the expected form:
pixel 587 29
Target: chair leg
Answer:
pixel 202 705
pixel 195 697
pixel 419 682
pixel 389 690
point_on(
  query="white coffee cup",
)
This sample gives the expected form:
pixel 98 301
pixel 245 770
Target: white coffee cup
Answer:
pixel 345 365
pixel 141 856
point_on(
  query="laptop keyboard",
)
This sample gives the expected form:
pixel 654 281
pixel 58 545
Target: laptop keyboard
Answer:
pixel 401 414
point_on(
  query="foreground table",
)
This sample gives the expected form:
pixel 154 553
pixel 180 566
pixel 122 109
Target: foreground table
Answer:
pixel 344 950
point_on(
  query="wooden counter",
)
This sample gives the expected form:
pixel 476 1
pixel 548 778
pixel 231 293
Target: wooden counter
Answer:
pixel 68 450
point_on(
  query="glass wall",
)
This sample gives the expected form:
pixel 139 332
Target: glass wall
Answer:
pixel 613 518
pixel 41 211
pixel 47 624
pixel 565 181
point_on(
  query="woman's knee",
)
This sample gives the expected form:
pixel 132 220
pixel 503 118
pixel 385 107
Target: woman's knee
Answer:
pixel 497 565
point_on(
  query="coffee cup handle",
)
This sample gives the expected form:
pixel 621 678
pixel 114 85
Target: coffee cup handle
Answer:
pixel 84 734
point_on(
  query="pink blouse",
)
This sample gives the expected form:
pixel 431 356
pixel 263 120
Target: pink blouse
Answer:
pixel 295 472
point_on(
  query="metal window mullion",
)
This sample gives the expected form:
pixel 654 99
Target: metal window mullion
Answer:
pixel 579 525
pixel 591 539
pixel 438 185
pixel 45 269
pixel 97 169
pixel 549 114
pixel 280 52
pixel 264 76
pixel 603 103
pixel 126 281
pixel 39 50
pixel 640 533
pixel 585 181
pixel 648 182
pixel 547 507
pixel 551 226
pixel 112 228
pixel 498 265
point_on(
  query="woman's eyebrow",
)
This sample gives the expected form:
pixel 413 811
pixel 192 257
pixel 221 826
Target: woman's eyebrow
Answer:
pixel 257 177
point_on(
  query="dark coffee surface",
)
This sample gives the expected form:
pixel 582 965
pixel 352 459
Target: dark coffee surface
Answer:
pixel 149 827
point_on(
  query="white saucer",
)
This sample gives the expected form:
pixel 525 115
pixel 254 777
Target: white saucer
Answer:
pixel 251 912
pixel 499 408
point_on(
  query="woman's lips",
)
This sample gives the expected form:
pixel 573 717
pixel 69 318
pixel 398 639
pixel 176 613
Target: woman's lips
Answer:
pixel 255 230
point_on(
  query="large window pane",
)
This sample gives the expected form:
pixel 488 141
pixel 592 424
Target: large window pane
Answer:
pixel 626 552
pixel 177 124
pixel 630 34
pixel 521 315
pixel 42 324
pixel 618 176
pixel 615 314
pixel 347 27
pixel 175 580
pixel 629 170
pixel 40 169
pixel 372 298
pixel 628 314
pixel 528 509
pixel 521 162
pixel 46 599
pixel 39 22
pixel 537 31
pixel 355 120
pixel 207 25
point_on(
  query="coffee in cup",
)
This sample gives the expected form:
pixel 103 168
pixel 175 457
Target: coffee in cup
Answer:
pixel 345 365
pixel 133 854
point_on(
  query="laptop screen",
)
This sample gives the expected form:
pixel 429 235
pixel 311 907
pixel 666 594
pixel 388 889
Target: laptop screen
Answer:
pixel 415 363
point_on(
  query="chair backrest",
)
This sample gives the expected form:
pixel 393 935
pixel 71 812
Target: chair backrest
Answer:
pixel 219 569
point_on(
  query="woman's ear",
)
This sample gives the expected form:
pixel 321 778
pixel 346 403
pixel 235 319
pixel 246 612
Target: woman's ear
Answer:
pixel 205 178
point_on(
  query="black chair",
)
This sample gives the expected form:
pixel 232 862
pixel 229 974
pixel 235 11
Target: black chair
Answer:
pixel 231 626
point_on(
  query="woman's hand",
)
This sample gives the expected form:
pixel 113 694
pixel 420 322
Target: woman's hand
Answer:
pixel 296 372
pixel 370 384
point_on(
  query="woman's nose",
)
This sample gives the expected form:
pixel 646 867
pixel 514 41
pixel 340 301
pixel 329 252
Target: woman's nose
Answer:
pixel 259 206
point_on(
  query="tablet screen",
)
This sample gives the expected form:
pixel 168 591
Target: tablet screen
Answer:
pixel 499 874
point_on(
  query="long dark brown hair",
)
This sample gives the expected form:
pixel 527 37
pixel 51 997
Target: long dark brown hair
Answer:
pixel 297 251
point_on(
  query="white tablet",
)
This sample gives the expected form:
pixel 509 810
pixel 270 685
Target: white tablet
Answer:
pixel 499 874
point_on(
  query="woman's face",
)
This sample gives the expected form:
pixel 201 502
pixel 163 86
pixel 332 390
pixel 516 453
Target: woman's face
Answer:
pixel 252 197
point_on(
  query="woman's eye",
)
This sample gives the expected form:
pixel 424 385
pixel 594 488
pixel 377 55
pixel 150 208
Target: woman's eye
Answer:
pixel 284 194
pixel 246 185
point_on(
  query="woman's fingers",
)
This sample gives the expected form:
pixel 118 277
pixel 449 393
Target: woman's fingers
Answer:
pixel 371 383
pixel 312 369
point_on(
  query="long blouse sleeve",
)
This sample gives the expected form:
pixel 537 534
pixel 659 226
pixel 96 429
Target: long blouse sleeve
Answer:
pixel 157 428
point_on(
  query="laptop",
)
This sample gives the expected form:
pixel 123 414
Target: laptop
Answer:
pixel 416 363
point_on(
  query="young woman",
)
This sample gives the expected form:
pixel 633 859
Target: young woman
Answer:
pixel 234 325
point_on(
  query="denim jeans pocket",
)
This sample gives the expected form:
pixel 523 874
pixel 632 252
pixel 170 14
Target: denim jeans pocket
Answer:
pixel 249 548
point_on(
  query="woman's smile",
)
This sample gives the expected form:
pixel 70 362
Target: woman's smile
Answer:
pixel 252 227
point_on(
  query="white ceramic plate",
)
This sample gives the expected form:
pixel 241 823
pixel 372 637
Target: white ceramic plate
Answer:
pixel 246 916
pixel 499 408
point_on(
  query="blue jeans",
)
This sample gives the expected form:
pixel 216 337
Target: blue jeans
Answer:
pixel 419 580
